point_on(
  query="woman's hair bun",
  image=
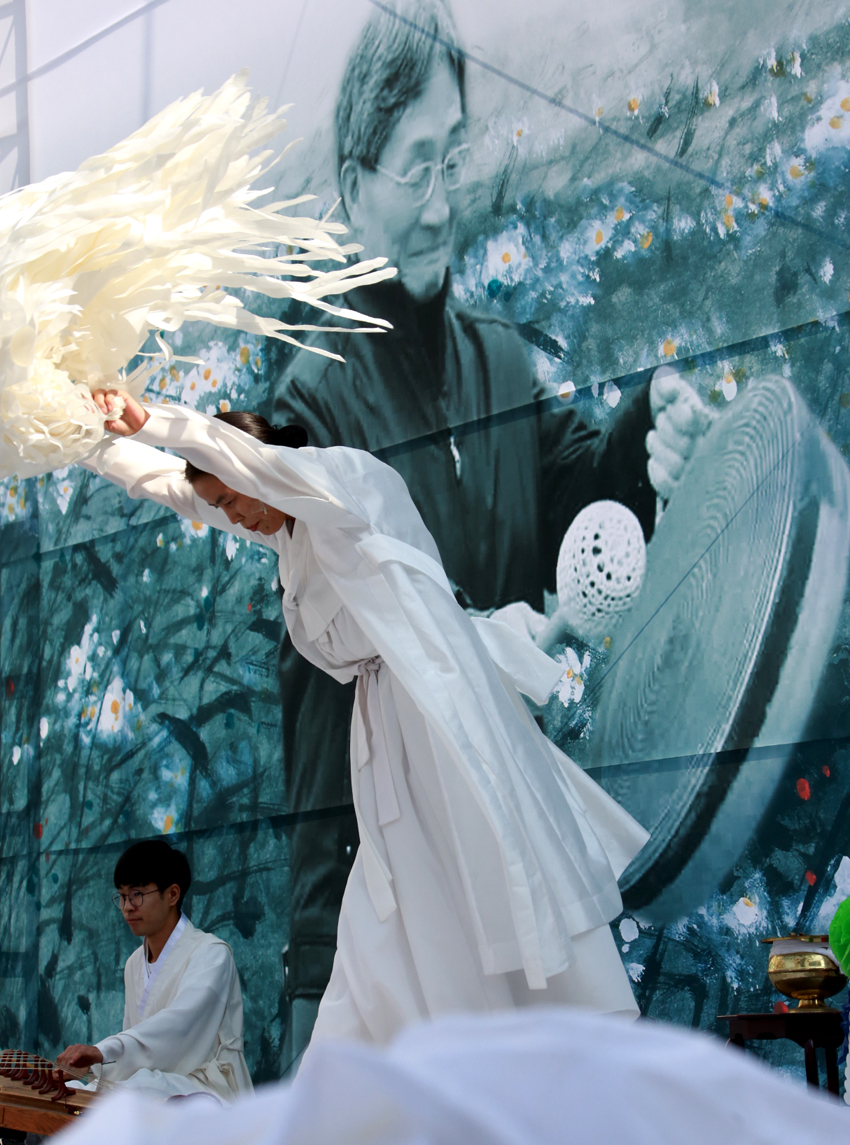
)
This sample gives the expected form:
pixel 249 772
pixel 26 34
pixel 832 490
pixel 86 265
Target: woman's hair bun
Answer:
pixel 293 436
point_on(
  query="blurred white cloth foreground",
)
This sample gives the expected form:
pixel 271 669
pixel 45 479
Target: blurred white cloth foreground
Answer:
pixel 516 1078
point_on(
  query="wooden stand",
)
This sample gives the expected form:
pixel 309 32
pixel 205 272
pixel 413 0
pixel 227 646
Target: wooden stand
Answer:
pixel 811 1029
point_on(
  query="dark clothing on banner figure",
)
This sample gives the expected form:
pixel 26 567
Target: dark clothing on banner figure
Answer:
pixel 497 489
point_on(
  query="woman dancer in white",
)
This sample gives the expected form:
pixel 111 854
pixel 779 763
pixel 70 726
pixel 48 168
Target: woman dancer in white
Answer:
pixel 488 864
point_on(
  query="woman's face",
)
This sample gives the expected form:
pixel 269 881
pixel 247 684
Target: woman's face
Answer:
pixel 248 512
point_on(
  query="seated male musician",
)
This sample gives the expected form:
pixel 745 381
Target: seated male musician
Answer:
pixel 182 1000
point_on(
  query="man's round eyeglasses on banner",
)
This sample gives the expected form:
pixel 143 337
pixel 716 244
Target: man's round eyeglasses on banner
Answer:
pixel 420 181
pixel 135 898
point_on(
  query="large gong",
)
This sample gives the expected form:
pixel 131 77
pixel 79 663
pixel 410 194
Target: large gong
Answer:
pixel 717 666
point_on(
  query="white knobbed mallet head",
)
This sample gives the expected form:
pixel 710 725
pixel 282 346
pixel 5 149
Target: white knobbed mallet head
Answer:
pixel 600 568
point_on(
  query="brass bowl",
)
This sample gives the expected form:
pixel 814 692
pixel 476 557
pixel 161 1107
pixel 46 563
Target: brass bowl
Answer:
pixel 807 976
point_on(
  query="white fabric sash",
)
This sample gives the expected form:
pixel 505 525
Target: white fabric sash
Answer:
pixel 155 967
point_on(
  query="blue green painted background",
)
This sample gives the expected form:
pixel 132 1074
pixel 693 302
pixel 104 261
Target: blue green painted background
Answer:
pixel 704 218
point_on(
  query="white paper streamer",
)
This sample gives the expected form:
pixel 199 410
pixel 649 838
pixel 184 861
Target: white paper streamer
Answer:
pixel 145 237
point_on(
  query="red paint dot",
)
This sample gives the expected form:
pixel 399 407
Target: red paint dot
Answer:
pixel 811 878
pixel 250 606
pixel 10 687
pixel 37 830
pixel 803 789
pixel 780 1007
pixel 826 771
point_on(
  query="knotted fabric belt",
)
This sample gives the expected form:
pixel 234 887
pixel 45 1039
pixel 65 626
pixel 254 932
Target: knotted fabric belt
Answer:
pixel 369 746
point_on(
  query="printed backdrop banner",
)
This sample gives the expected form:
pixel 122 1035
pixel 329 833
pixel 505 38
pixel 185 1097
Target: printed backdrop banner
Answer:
pixel 574 197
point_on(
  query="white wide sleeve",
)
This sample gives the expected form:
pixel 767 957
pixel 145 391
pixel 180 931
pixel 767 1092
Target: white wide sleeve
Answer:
pixel 142 471
pixel 183 1035
pixel 298 481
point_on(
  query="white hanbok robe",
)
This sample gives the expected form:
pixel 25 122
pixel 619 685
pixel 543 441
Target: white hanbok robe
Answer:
pixel 488 863
pixel 188 1037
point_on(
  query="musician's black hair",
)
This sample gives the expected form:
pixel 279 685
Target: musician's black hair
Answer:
pixel 293 436
pixel 153 861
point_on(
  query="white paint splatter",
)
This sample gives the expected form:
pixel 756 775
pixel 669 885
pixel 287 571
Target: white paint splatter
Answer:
pixel 827 270
pixel 629 930
pixel 635 971
pixel 16 754
pixel 231 546
pixel 42 728
pixel 142 626
pixel 612 394
pixel 116 634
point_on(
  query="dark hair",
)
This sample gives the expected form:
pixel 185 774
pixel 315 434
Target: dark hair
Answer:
pixel 388 69
pixel 293 436
pixel 153 861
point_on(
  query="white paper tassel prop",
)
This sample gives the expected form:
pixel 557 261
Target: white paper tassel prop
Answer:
pixel 147 236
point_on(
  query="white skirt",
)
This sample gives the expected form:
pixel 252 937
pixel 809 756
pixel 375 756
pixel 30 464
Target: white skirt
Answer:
pixel 423 959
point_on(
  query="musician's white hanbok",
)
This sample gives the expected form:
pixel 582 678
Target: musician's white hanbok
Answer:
pixel 182 1030
pixel 487 871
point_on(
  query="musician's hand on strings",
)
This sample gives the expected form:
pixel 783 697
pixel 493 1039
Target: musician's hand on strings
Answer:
pixel 680 419
pixel 126 422
pixel 78 1058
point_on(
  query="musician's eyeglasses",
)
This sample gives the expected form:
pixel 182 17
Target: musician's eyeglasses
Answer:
pixel 135 898
pixel 420 181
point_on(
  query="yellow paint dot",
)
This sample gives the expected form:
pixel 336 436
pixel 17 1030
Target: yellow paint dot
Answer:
pixel 191 385
pixel 808 98
pixel 115 707
pixel 606 643
pixel 597 238
pixel 599 111
pixel 747 902
pixel 669 347
pixel 92 712
pixel 796 172
pixel 518 132
pixel 618 214
pixel 162 383
pixel 634 103
pixel 729 200
pixel 197 526
pixel 258 363
pixel 168 824
pixel 214 383
pixel 207 373
pixel 646 239
pixel 21 503
pixel 845 103
pixel 244 355
pixel 763 203
pixel 174 373
pixel 139 724
pixel 728 222
pixel 145 398
pixel 506 257
pixel 836 122
pixel 224 405
pixel 728 379
pixel 569 673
